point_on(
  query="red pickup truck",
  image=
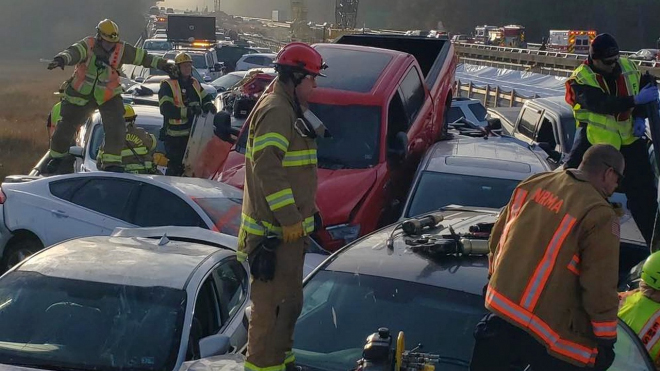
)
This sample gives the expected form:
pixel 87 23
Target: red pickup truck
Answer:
pixel 384 101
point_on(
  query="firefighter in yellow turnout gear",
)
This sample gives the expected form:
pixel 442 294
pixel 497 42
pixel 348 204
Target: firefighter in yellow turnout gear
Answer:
pixel 181 98
pixel 640 308
pixel 139 147
pixel 95 84
pixel 279 207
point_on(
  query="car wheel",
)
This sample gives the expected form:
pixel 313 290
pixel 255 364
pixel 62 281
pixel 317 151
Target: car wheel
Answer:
pixel 19 251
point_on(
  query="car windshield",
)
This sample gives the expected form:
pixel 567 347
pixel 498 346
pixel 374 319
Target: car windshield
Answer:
pixel 157 45
pixel 341 309
pixel 355 136
pixel 84 325
pixel 227 81
pixel 436 190
pixel 150 127
pixel 224 212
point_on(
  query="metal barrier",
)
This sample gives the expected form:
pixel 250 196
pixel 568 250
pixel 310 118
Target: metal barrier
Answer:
pixel 535 59
pixel 491 96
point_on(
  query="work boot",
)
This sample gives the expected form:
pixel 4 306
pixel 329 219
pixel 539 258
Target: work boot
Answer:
pixel 114 169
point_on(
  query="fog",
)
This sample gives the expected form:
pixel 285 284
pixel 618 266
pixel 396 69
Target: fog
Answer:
pixel 41 28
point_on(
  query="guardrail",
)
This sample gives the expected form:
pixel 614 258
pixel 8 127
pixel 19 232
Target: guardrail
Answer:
pixel 491 96
pixel 535 59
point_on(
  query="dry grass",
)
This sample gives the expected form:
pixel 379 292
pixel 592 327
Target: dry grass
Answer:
pixel 26 97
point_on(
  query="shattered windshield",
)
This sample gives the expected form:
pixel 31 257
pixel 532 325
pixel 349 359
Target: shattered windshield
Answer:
pixel 355 136
pixel 55 323
pixel 341 309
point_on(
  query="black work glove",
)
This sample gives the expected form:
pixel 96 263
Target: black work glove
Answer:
pixel 194 109
pixel 263 259
pixel 210 107
pixel 172 70
pixel 605 356
pixel 56 62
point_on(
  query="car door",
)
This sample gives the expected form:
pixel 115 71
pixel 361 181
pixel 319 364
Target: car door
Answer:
pixel 88 207
pixel 219 308
pixel 158 207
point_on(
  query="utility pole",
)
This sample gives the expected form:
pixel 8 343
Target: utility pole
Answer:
pixel 217 6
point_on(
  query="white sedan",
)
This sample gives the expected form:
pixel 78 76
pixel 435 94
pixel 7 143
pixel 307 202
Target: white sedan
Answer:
pixel 127 301
pixel 38 212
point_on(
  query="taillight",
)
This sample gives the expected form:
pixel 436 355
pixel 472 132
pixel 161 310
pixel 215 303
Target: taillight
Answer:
pixel 2 197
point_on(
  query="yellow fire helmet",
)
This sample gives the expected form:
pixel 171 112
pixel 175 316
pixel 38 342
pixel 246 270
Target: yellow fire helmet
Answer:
pixel 129 113
pixel 182 58
pixel 108 30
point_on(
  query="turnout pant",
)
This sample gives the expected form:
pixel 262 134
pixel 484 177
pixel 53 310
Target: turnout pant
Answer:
pixel 73 116
pixel 175 149
pixel 501 346
pixel 276 306
pixel 638 180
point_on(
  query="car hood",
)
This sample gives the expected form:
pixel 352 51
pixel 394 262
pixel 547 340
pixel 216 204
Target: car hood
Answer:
pixel 339 191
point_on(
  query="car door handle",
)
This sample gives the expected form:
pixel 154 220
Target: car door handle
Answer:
pixel 59 213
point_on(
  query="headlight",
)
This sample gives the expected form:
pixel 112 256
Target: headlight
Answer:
pixel 345 232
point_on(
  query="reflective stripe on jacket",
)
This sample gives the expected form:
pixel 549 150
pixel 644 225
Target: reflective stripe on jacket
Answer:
pixel 554 264
pixel 601 128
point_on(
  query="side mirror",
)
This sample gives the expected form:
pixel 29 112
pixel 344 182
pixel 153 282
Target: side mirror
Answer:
pixel 139 79
pixel 208 78
pixel 76 151
pixel 214 345
pixel 398 148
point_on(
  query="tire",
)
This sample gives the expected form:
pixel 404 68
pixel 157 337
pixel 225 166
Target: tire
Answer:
pixel 19 251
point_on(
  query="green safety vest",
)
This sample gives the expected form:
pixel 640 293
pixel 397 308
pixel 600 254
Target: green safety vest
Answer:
pixel 643 316
pixel 606 129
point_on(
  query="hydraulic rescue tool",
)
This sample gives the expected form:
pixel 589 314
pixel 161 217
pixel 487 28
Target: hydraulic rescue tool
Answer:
pixel 378 355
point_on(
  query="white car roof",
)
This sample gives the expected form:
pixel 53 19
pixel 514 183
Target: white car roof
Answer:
pixel 197 187
pixel 495 157
pixel 131 261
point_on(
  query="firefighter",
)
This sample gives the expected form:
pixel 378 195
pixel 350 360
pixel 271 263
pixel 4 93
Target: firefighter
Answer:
pixel 95 84
pixel 181 99
pixel 640 308
pixel 605 95
pixel 278 206
pixel 553 271
pixel 137 155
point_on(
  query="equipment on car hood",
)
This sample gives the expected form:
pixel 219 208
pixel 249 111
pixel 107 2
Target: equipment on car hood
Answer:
pixel 436 243
pixel 378 354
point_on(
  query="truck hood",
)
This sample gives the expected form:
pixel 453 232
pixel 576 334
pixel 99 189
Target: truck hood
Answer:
pixel 340 191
